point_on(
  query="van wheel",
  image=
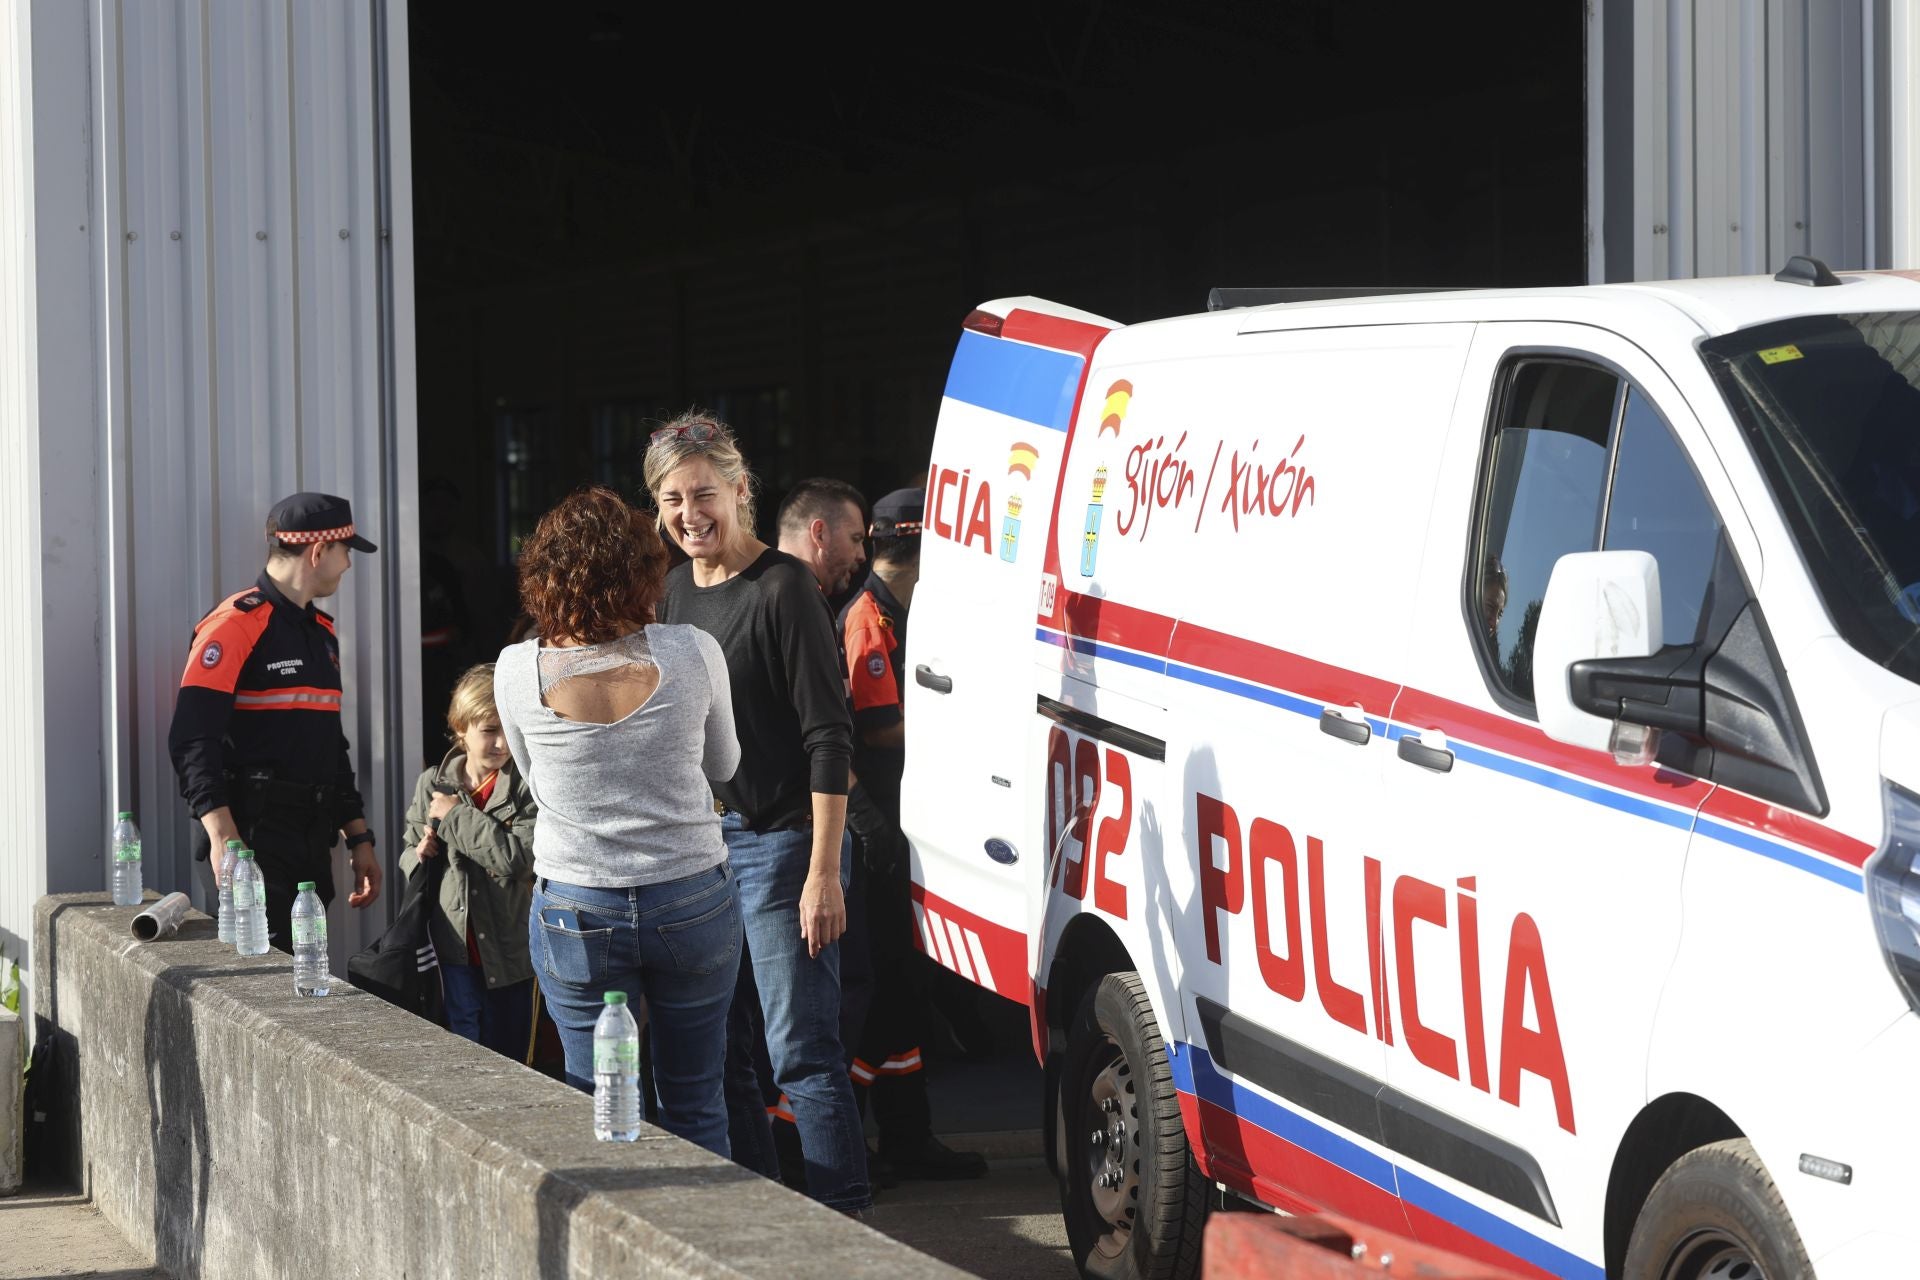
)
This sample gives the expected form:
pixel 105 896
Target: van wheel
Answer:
pixel 1716 1215
pixel 1133 1199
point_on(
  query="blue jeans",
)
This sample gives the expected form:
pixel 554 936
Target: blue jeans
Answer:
pixel 500 1019
pixel 794 1001
pixel 677 944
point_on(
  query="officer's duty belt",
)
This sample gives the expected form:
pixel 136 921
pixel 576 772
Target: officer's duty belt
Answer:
pixel 278 793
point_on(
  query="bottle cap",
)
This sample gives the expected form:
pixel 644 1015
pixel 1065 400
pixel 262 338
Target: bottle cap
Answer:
pixel 614 997
pixel 246 853
pixel 304 886
pixel 124 815
pixel 234 846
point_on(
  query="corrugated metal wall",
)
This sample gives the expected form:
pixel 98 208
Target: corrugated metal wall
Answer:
pixel 1728 135
pixel 250 311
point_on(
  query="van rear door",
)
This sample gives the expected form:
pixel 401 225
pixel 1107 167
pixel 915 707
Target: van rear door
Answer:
pixel 1010 397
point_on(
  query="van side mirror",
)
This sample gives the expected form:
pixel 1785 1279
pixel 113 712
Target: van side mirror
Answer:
pixel 1602 680
pixel 1599 605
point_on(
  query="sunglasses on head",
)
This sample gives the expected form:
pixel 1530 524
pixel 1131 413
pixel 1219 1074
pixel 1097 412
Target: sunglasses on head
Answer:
pixel 698 432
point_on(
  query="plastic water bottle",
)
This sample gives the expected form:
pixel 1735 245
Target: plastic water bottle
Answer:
pixel 249 907
pixel 310 943
pixel 223 871
pixel 616 1072
pixel 127 890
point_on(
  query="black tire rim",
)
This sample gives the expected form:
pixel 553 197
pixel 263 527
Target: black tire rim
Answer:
pixel 1712 1255
pixel 1110 1163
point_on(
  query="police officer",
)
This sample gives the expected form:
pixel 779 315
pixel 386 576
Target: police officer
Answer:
pixel 256 737
pixel 887 1061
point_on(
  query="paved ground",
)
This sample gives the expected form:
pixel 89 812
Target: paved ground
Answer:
pixel 1006 1225
pixel 55 1232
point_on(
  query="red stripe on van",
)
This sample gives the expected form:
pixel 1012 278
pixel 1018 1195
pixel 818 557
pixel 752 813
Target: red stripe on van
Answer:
pixel 1785 824
pixel 1273 1170
pixel 1263 1165
pixel 1057 332
pixel 1434 1230
pixel 1005 949
pixel 1529 742
pixel 1111 622
pixel 1246 660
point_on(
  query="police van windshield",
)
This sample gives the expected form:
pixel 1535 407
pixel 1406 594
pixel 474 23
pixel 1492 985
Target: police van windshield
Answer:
pixel 1831 407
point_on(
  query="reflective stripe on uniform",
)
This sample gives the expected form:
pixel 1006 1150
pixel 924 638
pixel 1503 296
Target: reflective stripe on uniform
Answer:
pixel 308 699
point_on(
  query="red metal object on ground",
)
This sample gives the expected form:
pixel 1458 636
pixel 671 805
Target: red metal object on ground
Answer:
pixel 1258 1246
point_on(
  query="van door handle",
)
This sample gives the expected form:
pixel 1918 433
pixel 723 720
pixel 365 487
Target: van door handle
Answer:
pixel 928 677
pixel 1414 751
pixel 1334 723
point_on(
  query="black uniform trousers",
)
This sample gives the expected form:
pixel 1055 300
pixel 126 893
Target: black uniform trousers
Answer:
pixel 290 843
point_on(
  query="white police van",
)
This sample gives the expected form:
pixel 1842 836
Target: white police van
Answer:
pixel 1448 761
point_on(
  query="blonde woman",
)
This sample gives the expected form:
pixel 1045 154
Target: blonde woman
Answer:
pixel 783 813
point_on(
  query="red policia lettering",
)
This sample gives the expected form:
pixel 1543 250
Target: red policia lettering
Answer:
pixel 1272 863
pixel 956 522
pixel 1074 786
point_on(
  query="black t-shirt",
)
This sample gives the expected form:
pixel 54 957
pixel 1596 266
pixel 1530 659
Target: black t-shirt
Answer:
pixel 789 695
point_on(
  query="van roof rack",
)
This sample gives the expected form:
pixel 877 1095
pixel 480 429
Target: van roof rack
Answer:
pixel 1225 299
pixel 1807 271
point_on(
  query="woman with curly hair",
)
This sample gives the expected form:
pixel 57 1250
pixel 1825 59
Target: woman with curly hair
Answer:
pixel 620 725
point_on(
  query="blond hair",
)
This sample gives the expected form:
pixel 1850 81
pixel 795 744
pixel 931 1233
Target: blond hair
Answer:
pixel 721 449
pixel 472 700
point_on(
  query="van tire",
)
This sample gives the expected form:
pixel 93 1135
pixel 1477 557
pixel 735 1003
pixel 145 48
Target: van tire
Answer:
pixel 1714 1208
pixel 1114 1078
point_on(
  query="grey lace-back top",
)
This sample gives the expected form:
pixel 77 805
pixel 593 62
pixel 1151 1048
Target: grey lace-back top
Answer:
pixel 629 802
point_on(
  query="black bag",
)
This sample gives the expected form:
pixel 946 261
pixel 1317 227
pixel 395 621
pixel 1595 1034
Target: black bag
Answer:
pixel 401 967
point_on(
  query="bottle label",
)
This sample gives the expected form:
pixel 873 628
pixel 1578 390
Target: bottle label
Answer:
pixel 311 930
pixel 618 1059
pixel 126 853
pixel 250 895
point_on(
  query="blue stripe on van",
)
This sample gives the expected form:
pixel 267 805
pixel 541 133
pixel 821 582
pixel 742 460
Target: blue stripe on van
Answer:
pixel 1526 771
pixel 1195 1074
pixel 1094 649
pixel 1799 860
pixel 1033 384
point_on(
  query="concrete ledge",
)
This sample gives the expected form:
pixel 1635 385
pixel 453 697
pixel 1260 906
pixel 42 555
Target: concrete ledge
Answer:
pixel 230 1128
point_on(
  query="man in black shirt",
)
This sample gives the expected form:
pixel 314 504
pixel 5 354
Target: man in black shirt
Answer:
pixel 256 737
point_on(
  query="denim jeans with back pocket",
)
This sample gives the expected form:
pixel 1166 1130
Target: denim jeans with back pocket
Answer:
pixel 677 944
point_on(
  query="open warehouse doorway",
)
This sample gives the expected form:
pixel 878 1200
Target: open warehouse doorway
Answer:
pixel 622 210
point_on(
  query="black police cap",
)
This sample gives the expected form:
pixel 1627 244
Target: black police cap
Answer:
pixel 899 514
pixel 306 518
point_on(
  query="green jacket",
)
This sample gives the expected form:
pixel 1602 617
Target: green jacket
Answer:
pixel 489 880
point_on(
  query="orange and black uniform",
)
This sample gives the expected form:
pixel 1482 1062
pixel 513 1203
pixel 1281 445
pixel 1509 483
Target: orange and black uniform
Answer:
pixel 873 629
pixel 257 728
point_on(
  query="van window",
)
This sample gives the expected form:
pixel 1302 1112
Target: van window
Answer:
pixel 1582 461
pixel 1829 406
pixel 1658 506
pixel 1543 492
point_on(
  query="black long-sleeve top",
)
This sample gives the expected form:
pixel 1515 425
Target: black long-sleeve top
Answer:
pixel 261 692
pixel 789 695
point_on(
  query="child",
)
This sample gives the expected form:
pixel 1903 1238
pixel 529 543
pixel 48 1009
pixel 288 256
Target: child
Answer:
pixel 474 809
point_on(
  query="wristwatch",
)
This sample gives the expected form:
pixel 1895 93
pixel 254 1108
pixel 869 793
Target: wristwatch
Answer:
pixel 362 837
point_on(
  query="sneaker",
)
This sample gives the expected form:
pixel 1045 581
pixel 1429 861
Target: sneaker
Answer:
pixel 932 1160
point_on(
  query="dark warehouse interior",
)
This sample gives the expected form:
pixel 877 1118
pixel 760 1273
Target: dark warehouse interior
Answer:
pixel 783 216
